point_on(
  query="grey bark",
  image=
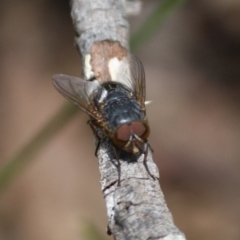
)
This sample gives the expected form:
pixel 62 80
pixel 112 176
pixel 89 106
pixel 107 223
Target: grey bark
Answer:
pixel 136 209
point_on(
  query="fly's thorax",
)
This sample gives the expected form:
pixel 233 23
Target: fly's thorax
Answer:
pixel 109 91
pixel 119 110
pixel 116 104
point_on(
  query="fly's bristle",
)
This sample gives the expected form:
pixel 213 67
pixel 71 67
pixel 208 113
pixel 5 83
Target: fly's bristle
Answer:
pixel 148 102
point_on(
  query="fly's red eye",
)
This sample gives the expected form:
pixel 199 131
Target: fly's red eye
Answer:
pixel 123 133
pixel 138 128
pixel 121 136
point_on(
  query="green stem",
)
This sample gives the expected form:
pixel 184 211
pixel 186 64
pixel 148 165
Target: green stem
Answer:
pixel 16 164
pixel 153 22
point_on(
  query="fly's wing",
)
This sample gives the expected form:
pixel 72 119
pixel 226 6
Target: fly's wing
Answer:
pixel 78 91
pixel 138 83
pixel 130 72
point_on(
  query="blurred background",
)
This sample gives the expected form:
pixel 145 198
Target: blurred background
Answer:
pixel 192 65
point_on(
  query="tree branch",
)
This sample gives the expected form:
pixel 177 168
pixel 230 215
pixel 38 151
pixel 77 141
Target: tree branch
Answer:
pixel 136 209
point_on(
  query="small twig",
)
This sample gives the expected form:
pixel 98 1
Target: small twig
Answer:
pixel 136 209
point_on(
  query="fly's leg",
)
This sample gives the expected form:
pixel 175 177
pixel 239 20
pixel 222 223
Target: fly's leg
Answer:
pixel 108 230
pixel 118 165
pixel 90 122
pixel 97 147
pixel 147 145
pixel 150 147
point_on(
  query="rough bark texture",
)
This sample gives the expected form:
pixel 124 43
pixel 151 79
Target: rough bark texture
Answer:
pixel 136 209
pixel 101 53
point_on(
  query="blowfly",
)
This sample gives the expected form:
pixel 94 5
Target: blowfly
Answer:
pixel 116 106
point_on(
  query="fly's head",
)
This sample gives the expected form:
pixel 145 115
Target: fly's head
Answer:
pixel 131 137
